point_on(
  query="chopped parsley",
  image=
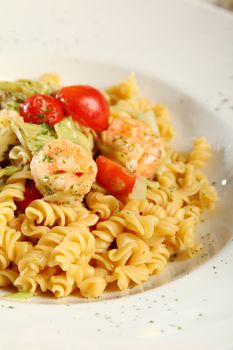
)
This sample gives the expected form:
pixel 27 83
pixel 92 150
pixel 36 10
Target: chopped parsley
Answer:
pixel 48 190
pixel 42 116
pixel 48 159
pixel 57 152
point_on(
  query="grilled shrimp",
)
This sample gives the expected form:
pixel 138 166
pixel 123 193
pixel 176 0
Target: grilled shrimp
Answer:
pixel 136 141
pixel 63 167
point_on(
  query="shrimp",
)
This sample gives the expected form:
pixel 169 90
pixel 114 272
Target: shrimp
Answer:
pixel 136 141
pixel 63 167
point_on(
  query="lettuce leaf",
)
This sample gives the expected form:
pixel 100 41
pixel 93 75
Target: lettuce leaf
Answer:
pixel 19 295
pixel 139 191
pixel 32 136
pixel 70 130
pixel 149 118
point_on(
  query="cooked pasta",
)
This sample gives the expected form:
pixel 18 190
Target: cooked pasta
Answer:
pixel 95 285
pixel 200 153
pixel 8 277
pixel 49 214
pixel 159 258
pixel 92 204
pixel 123 275
pixel 13 190
pixel 20 155
pixel 78 243
pixel 103 205
pixel 62 285
pixel 9 242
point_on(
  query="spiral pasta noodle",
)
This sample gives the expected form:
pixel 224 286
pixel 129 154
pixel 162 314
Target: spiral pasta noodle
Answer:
pixel 130 249
pixel 200 153
pixel 38 258
pixel 123 91
pixel 103 205
pixel 8 277
pixel 95 285
pixel 143 226
pixel 4 260
pixel 20 155
pixel 7 208
pixel 164 122
pixel 207 196
pixel 13 190
pixel 105 233
pixel 159 258
pixel 49 214
pixel 62 285
pixel 11 245
pixel 123 275
pixel 79 241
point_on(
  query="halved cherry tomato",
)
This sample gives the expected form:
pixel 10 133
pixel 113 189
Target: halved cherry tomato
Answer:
pixel 38 109
pixel 114 177
pixel 86 105
pixel 31 193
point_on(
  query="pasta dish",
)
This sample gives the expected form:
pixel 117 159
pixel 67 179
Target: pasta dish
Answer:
pixel 92 194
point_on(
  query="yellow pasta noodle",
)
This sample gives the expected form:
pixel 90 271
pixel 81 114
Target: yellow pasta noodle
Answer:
pixel 105 233
pixel 62 285
pixel 207 196
pixel 38 258
pixel 20 155
pixel 159 258
pixel 13 190
pixel 8 277
pixel 8 242
pixel 93 287
pixel 49 214
pixel 123 275
pixel 164 122
pixel 200 153
pixel 77 243
pixel 130 249
pixel 103 205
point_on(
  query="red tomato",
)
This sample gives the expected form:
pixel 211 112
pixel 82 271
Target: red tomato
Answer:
pixel 30 194
pixel 86 105
pixel 114 177
pixel 38 109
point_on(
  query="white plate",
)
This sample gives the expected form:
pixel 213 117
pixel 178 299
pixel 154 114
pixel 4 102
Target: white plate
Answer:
pixel 195 310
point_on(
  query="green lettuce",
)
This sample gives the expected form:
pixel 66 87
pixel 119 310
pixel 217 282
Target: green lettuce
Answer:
pixel 68 129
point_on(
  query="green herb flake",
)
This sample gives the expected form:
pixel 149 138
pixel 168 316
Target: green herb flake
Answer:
pixel 48 191
pixel 48 159
pixel 41 116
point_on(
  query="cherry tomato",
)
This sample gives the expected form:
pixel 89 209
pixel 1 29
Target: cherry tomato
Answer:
pixel 31 193
pixel 38 109
pixel 114 177
pixel 86 105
